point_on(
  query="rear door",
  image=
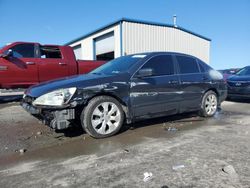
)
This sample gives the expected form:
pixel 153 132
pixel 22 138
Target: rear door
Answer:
pixel 21 69
pixel 191 82
pixel 52 63
pixel 158 93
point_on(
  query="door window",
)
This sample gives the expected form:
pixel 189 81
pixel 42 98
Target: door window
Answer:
pixel 161 65
pixel 187 65
pixel 23 51
pixel 50 52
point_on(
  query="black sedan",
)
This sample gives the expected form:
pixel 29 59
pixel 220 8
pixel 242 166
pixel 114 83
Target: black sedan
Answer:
pixel 239 84
pixel 128 88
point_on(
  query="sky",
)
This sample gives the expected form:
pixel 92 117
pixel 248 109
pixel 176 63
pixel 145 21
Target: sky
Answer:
pixel 226 22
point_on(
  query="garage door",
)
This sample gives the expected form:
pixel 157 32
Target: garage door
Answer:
pixel 78 51
pixel 105 47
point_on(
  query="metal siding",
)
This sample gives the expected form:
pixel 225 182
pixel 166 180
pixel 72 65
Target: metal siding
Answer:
pixel 139 38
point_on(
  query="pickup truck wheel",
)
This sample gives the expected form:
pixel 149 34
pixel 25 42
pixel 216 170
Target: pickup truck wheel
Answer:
pixel 209 104
pixel 102 117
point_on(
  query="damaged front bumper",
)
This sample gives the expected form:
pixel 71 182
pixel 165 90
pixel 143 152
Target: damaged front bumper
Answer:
pixel 54 118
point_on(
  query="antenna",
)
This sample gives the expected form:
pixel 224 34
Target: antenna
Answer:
pixel 175 20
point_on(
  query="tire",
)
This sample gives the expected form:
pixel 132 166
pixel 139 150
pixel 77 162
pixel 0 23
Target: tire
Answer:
pixel 209 104
pixel 102 117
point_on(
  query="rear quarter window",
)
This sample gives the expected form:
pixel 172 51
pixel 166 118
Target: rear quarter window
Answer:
pixel 203 66
pixel 187 65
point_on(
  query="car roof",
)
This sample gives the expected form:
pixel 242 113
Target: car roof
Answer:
pixel 163 53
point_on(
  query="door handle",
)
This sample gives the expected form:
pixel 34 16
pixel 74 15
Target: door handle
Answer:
pixel 173 82
pixel 2 68
pixel 30 63
pixel 62 63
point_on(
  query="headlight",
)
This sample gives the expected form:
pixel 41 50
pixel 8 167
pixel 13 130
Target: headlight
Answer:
pixel 55 98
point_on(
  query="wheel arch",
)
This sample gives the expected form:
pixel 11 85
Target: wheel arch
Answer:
pixel 212 89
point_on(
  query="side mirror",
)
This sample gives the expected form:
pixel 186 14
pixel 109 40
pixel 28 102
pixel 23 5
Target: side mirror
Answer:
pixel 145 73
pixel 8 53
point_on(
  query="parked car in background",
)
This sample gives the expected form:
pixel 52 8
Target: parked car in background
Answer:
pixel 23 64
pixel 239 84
pixel 128 88
pixel 228 72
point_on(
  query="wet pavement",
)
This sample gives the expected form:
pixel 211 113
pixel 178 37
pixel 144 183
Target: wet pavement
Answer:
pixel 71 158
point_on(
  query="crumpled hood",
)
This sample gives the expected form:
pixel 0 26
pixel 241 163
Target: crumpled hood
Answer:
pixel 239 78
pixel 79 81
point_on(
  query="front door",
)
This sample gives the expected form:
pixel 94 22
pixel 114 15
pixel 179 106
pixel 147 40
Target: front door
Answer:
pixel 157 93
pixel 20 69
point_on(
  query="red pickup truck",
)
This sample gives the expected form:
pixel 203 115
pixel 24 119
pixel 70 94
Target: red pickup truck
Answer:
pixel 23 64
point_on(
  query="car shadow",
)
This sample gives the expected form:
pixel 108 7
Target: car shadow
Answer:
pixel 76 129
pixel 73 131
pixel 12 98
pixel 179 118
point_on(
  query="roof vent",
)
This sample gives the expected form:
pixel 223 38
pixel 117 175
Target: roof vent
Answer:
pixel 175 20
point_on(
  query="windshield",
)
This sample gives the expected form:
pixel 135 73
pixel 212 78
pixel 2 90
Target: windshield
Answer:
pixel 244 72
pixel 119 65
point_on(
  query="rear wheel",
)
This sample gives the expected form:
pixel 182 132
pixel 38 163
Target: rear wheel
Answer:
pixel 209 104
pixel 102 117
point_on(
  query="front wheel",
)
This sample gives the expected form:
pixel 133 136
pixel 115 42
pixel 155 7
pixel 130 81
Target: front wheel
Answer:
pixel 209 104
pixel 102 117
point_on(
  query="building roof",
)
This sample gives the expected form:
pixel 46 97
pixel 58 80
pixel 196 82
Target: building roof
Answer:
pixel 135 21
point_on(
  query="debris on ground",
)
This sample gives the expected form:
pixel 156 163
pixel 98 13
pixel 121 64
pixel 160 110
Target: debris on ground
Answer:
pixel 147 176
pixel 39 133
pixel 240 122
pixel 126 150
pixel 177 167
pixel 172 129
pixel 22 151
pixel 164 186
pixel 229 169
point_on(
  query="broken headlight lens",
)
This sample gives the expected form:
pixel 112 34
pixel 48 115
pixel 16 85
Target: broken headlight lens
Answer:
pixel 55 98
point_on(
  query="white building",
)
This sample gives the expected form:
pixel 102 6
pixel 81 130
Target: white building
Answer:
pixel 127 36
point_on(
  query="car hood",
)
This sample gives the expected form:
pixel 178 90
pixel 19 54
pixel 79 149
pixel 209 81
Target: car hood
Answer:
pixel 239 78
pixel 80 81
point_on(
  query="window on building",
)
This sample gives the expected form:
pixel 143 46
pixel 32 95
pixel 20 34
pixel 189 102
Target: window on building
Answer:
pixel 104 47
pixel 50 52
pixel 161 65
pixel 23 51
pixel 187 65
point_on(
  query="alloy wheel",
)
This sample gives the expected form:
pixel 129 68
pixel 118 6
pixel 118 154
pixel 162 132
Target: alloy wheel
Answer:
pixel 211 104
pixel 106 118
